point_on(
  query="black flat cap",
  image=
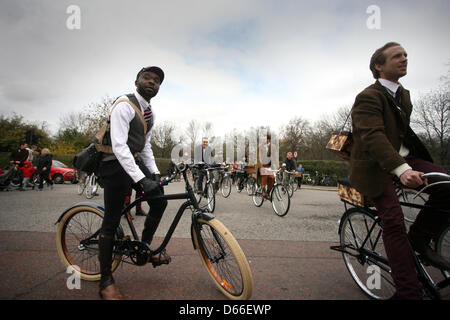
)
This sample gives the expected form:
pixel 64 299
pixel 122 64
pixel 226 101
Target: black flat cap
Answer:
pixel 153 69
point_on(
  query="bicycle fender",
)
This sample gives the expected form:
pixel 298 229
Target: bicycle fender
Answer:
pixel 203 214
pixel 79 204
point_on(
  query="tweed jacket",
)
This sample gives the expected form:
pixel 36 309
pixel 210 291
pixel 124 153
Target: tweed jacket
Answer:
pixel 380 126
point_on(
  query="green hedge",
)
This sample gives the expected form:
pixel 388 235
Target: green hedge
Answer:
pixel 334 168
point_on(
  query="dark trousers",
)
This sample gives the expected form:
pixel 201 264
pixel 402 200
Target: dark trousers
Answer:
pixel 116 184
pixel 44 175
pixel 395 237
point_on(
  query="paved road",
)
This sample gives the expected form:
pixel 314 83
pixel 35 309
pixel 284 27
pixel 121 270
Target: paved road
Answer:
pixel 313 215
pixel 289 256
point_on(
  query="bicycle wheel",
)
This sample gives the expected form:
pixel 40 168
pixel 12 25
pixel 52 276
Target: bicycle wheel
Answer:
pixel 80 187
pixel 251 186
pixel 280 200
pixel 257 197
pixel 290 190
pixel 210 197
pixel 88 188
pixel 77 241
pixel 443 247
pixel 364 255
pixel 224 259
pixel 294 184
pixel 225 187
pixel 410 213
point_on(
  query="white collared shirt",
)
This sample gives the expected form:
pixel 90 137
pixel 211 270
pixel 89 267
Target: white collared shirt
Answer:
pixel 121 117
pixel 391 86
pixel 392 89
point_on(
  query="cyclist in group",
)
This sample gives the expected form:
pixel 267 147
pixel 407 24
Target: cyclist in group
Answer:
pixel 202 154
pixel 131 164
pixel 264 175
pixel 384 147
pixel 291 164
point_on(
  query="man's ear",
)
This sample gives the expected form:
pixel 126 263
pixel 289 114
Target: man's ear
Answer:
pixel 136 83
pixel 378 67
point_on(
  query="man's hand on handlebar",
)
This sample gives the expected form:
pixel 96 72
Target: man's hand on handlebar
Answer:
pixel 148 185
pixel 412 178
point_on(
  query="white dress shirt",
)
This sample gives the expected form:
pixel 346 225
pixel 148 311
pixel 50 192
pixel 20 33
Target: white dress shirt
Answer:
pixel 121 116
pixel 392 89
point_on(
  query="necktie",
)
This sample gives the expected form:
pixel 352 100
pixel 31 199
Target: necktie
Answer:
pixel 148 114
pixel 148 117
pixel 398 95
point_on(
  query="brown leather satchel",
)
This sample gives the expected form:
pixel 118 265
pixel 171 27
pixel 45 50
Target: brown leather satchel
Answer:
pixel 341 142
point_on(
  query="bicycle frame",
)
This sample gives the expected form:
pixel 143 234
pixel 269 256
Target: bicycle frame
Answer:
pixel 191 201
pixel 188 195
pixel 382 262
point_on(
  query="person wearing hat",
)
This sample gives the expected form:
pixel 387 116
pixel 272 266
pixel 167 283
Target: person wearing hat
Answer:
pixel 131 164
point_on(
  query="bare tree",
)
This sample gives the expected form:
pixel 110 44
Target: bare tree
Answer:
pixel 208 130
pixel 73 121
pixel 163 140
pixel 293 136
pixel 96 114
pixel 432 118
pixel 193 131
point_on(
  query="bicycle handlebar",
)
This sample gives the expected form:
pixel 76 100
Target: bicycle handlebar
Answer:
pixel 437 175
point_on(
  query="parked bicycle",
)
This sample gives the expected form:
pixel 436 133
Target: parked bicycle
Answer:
pixel 278 196
pixel 220 253
pixel 320 179
pixel 363 252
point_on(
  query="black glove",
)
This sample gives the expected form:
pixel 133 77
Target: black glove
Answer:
pixel 156 177
pixel 148 185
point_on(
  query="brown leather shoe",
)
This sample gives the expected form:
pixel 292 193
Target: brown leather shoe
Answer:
pixel 161 258
pixel 111 292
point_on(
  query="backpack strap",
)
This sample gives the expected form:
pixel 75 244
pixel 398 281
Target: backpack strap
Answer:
pixel 99 138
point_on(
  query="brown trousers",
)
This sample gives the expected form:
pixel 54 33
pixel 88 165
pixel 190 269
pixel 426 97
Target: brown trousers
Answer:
pixel 426 225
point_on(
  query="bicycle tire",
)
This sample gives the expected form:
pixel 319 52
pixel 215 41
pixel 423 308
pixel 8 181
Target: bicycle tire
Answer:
pixel 257 197
pixel 210 197
pixel 224 259
pixel 251 186
pixel 80 188
pixel 294 185
pixel 375 282
pixel 225 187
pixel 92 187
pixel 290 190
pixel 80 223
pixel 281 201
pixel 443 247
pixel 88 188
pixel 410 213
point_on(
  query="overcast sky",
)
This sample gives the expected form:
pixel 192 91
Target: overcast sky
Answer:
pixel 234 63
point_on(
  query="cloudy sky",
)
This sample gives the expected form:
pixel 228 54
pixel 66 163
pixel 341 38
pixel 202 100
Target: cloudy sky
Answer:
pixel 234 63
